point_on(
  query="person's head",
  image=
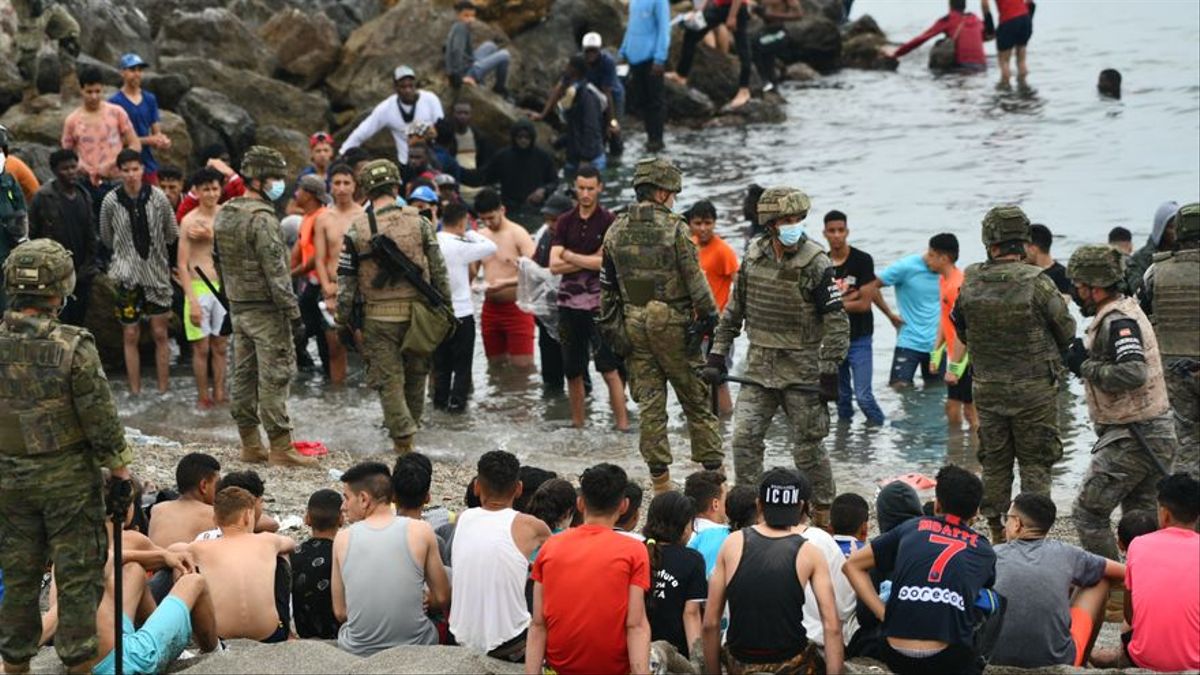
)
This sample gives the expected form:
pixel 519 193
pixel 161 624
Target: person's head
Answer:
pixel 591 44
pixel 942 253
pixel 669 519
pixel 781 211
pixel 234 507
pixel 216 151
pixel 576 68
pixel 465 10
pixel 702 220
pixel 341 183
pixel 1178 501
pixel 489 208
pixel 1121 239
pixel 1133 525
pixel 412 477
pixel 265 172
pixel 1005 231
pixel 132 66
pixel 311 193
pixel 196 475
pixel 1109 83
pixel 750 202
pixel 424 198
pixel 836 229
pixel 454 218
pixel 741 507
pixel 498 477
pixel 206 184
pixel 324 512
pixel 462 116
pixel 958 493
pixel 320 150
pixel 708 490
pixel 1097 272
pixel 603 490
pixel 556 205
pixel 1030 516
pixel 588 186
pixel 1040 241
pixel 356 158
pixel 91 87
pixel 65 165
pixel 404 79
pixel 129 163
pixel 848 515
pixel 531 478
pixel 379 179
pixel 170 181
pixel 896 502
pixel 249 481
pixel 958 5
pixel 554 503
pixel 657 181
pixel 130 521
pixel 783 496
pixel 629 518
pixel 523 134
pixel 366 486
pixel 39 274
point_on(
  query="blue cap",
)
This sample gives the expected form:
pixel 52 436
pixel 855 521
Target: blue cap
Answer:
pixel 131 60
pixel 423 194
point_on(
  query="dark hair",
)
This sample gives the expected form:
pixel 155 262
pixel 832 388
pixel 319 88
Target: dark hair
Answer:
pixel 1041 237
pixel 553 502
pixel 1110 82
pixel 1036 509
pixel 213 151
pixel 204 176
pixel 248 480
pixel 958 5
pixel 750 203
pixel 470 498
pixel 1136 523
pixel 169 172
pixel 702 209
pixel 577 64
pixel 342 169
pixel 603 487
pixel 531 478
pixel 633 492
pixel 1179 494
pixel 666 519
pixel 958 491
pixel 454 213
pixel 848 512
pixel 324 507
pixel 193 468
pixel 230 503
pixel 62 155
pixel 945 243
pixel 645 192
pixel 1119 234
pixel 587 170
pixel 463 5
pixel 499 471
pixel 1011 247
pixel 370 477
pixel 741 507
pixel 89 75
pixel 487 200
pixel 128 155
pixel 835 215
pixel 411 478
pixel 355 155
pixel 703 487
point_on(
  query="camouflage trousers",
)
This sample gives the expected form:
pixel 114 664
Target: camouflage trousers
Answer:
pixel 399 379
pixel 1184 392
pixel 1018 424
pixel 808 424
pixel 65 528
pixel 264 361
pixel 659 357
pixel 1121 473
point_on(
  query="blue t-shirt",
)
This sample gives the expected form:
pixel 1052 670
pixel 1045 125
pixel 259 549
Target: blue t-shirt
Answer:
pixel 708 543
pixel 918 292
pixel 143 116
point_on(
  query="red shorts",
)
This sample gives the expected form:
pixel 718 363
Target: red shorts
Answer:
pixel 506 330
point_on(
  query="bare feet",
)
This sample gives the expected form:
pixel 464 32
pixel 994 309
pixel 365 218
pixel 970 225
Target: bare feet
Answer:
pixel 675 77
pixel 467 79
pixel 740 99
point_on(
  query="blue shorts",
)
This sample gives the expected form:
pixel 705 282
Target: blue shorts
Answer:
pixel 904 366
pixel 160 640
pixel 1014 33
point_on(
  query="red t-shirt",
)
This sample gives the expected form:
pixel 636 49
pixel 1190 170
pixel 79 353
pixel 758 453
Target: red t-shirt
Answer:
pixel 720 264
pixel 234 187
pixel 1011 9
pixel 968 45
pixel 585 574
pixel 1161 574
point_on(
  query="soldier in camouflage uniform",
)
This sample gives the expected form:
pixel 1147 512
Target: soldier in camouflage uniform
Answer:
pixel 58 428
pixel 398 377
pixel 786 296
pixel 36 20
pixel 1171 295
pixel 254 270
pixel 1122 372
pixel 651 275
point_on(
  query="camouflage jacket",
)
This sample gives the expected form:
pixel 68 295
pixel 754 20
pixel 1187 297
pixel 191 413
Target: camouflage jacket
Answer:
pixel 253 257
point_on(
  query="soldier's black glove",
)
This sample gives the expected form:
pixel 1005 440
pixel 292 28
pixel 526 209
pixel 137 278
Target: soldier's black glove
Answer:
pixel 456 81
pixel 714 369
pixel 120 496
pixel 1074 357
pixel 698 329
pixel 828 388
pixel 1184 367
pixel 70 45
pixel 989 26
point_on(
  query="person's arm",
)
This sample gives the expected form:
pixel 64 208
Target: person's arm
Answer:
pixel 831 624
pixel 688 262
pixel 369 126
pixel 859 300
pixel 558 265
pixel 337 587
pixel 856 570
pixel 662 42
pixel 637 631
pixel 714 609
pixel 183 255
pixel 266 523
pixel 166 216
pixel 107 207
pixel 435 573
pixel 283 545
pixel 457 58
pixel 439 277
pixel 835 325
pixel 39 216
pixel 1124 366
pixel 347 279
pixel 933 31
pixel 480 247
pixel 730 325
pixel 128 132
pixel 1114 571
pixel 882 304
pixel 1054 311
pixel 552 100
pixel 272 256
pixel 321 246
pixel 535 638
pixel 693 622
pixel 731 21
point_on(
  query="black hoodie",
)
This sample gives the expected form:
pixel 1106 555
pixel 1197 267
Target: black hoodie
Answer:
pixel 519 172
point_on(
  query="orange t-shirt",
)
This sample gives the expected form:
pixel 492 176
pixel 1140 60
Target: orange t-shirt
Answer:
pixel 720 264
pixel 308 247
pixel 949 286
pixel 24 176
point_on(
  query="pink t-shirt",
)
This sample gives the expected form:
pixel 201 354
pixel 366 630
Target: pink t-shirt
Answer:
pixel 1162 571
pixel 97 138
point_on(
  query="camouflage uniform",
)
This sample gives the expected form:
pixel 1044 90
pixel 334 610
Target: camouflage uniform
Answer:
pixel 398 377
pixel 256 278
pixel 1017 325
pixel 1171 294
pixel 651 273
pixel 798 334
pixel 1123 380
pixel 58 427
pixel 36 21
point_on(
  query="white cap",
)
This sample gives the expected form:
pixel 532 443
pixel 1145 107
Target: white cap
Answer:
pixel 592 41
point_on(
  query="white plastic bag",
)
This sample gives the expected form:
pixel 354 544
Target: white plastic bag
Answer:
pixel 537 293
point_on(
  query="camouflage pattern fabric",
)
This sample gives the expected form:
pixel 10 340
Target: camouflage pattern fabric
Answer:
pixel 253 256
pixel 808 424
pixel 264 361
pixel 1016 425
pixel 399 379
pixel 1184 392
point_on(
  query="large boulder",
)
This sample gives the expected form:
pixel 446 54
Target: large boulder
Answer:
pixel 215 33
pixel 513 16
pixel 214 119
pixel 181 153
pixel 864 24
pixel 832 10
pixel 292 144
pixel 269 101
pixel 714 73
pixel 110 29
pixel 863 51
pixel 305 45
pixel 101 321
pixel 348 15
pixel 545 51
pixel 494 118
pixel 815 41
pixel 109 73
pixel 685 103
pixel 169 88
pixel 37 157
pixel 755 111
pixel 38 120
pixel 158 12
pixel 11 84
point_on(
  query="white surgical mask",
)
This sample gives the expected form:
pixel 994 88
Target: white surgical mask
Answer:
pixel 274 190
pixel 790 235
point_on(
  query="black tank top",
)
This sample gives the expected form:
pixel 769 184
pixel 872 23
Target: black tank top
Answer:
pixel 766 600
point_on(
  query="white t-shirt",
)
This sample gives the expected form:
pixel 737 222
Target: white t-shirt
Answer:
pixel 386 115
pixel 460 252
pixel 843 592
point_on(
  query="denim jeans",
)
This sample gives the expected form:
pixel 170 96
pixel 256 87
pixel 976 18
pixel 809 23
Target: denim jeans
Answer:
pixel 488 58
pixel 905 362
pixel 854 382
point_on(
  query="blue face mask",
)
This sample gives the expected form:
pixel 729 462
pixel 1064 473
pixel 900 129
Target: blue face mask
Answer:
pixel 274 190
pixel 790 235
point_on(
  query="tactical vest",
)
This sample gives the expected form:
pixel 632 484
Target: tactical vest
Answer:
pixel 402 226
pixel 1177 303
pixel 780 312
pixel 242 273
pixel 1006 334
pixel 643 251
pixel 1147 401
pixel 36 412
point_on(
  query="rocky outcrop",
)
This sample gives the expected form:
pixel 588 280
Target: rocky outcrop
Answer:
pixel 829 9
pixel 213 118
pixel 863 51
pixel 685 103
pixel 168 87
pixel 815 40
pixel 269 101
pixel 181 151
pixel 305 46
pixel 292 144
pixel 215 33
pixel 545 50
pixel 713 73
pixel 38 120
pixel 11 84
pixel 512 16
pixel 109 29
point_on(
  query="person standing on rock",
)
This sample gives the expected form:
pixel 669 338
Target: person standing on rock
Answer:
pixel 254 266
pixel 468 65
pixel 142 108
pixel 1016 325
pixel 1122 372
pixel 397 113
pixel 771 42
pixel 735 14
pixel 397 376
pixel 645 48
pixel 791 305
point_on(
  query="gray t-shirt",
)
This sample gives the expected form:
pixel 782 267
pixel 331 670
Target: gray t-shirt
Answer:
pixel 1035 576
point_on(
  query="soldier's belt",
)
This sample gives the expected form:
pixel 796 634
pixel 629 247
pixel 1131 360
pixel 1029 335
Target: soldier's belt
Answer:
pixel 389 310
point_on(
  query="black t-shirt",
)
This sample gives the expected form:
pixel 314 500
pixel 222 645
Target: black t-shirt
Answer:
pixel 857 271
pixel 680 579
pixel 1058 274
pixel 937 566
pixel 312 601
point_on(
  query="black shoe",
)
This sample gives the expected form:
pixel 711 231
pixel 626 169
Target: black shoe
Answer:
pixel 456 406
pixel 655 145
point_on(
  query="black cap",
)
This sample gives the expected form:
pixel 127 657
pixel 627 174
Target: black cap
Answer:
pixel 783 491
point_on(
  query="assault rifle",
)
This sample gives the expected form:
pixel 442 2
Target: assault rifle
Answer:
pixel 395 266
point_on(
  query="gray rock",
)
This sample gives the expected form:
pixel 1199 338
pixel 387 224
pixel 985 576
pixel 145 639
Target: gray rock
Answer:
pixel 37 156
pixel 158 12
pixel 295 656
pixel 110 29
pixel 435 659
pixel 306 45
pixel 49 72
pixel 212 118
pixel 269 101
pixel 816 41
pixel 12 85
pixel 713 73
pixel 512 16
pixel 685 103
pixel 801 72
pixel 348 15
pixel 38 120
pixel 862 51
pixel 544 51
pixel 292 144
pixel 215 33
pixel 755 111
pixel 863 25
pixel 110 73
pixel 830 9
pixel 181 152
pixel 168 87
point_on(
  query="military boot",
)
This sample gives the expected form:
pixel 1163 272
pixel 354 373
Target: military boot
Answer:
pixel 820 518
pixel 403 445
pixel 283 454
pixel 662 482
pixel 253 451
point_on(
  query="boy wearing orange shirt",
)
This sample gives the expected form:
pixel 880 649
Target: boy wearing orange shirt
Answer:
pixel 960 403
pixel 720 265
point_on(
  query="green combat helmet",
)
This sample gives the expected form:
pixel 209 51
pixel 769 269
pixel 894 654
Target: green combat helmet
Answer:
pixel 41 267
pixel 1097 265
pixel 377 173
pixel 262 162
pixel 1005 223
pixel 1187 223
pixel 781 202
pixel 658 172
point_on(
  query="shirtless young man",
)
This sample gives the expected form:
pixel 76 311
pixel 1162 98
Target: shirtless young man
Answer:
pixel 328 233
pixel 203 314
pixel 507 331
pixel 179 521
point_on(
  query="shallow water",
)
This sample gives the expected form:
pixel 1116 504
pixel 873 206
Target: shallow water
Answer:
pixel 906 155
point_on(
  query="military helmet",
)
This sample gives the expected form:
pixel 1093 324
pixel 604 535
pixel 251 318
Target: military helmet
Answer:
pixel 658 172
pixel 263 162
pixel 781 202
pixel 1187 222
pixel 1097 265
pixel 39 267
pixel 378 173
pixel 1005 223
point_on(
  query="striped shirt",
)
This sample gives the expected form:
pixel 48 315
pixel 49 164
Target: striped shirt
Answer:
pixel 153 273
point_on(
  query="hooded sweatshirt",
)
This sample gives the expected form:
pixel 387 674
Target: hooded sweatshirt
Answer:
pixel 518 171
pixel 896 503
pixel 1141 260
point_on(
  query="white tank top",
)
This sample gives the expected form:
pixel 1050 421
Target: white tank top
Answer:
pixel 488 594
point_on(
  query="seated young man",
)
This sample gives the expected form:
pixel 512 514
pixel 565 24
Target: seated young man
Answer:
pixel 763 571
pixel 627 523
pixel 412 479
pixel 180 521
pixel 251 482
pixel 240 568
pixel 848 517
pixel 312 565
pixel 1044 625
pixel 492 545
pixel 937 565
pixel 708 490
